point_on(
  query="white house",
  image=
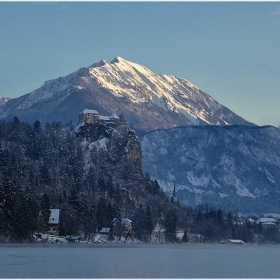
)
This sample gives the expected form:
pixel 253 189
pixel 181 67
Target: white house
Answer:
pixel 235 241
pixel 54 222
pixel 105 231
pixel 268 225
pixel 73 238
pixel 266 220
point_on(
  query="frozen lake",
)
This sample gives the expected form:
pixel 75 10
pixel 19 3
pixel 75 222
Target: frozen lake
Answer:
pixel 139 261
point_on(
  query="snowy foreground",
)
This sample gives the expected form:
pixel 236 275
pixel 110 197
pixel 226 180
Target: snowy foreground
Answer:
pixel 98 238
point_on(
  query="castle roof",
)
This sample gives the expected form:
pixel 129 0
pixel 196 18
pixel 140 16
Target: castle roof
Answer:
pixel 114 116
pixel 88 111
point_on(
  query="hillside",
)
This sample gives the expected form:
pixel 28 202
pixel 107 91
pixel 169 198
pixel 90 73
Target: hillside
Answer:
pixel 93 174
pixel 237 167
pixel 148 100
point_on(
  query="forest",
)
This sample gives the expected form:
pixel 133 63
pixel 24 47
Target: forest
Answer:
pixel 59 167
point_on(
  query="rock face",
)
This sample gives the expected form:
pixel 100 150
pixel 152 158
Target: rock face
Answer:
pixel 118 139
pixel 148 100
pixel 232 167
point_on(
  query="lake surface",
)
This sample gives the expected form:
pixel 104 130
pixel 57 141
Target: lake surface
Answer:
pixel 139 261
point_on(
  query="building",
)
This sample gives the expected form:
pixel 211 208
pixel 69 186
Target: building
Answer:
pixel 73 238
pixel 235 241
pixel 105 231
pixel 268 225
pixel 266 220
pixel 122 227
pixel 92 115
pixel 53 227
pixel 174 198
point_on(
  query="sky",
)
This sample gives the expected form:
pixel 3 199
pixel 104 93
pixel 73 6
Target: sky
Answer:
pixel 230 50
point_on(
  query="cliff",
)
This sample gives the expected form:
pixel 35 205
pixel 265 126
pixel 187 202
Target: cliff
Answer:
pixel 236 167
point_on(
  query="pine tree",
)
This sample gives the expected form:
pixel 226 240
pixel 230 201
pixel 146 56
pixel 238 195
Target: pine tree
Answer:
pixel 149 226
pixel 45 212
pixel 74 200
pixel 10 197
pixel 139 223
pixel 219 216
pixel 3 219
pixel 101 215
pixel 69 222
pixel 185 236
pixel 170 224
pixel 37 127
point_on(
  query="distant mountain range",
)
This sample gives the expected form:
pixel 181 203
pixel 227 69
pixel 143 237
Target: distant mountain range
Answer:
pixel 231 167
pixel 150 101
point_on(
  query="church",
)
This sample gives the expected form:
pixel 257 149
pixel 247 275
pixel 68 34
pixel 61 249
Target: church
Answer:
pixel 174 198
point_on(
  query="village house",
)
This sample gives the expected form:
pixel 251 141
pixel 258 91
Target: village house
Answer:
pixel 53 227
pixel 105 231
pixel 73 238
pixel 266 220
pixel 235 241
pixel 267 223
pixel 122 226
pixel 92 115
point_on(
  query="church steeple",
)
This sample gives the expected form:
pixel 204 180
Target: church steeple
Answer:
pixel 174 198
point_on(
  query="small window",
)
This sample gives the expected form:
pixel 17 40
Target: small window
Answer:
pixel 54 229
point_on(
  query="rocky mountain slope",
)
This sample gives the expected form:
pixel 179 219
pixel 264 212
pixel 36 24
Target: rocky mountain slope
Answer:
pixel 151 101
pixel 234 167
pixel 4 100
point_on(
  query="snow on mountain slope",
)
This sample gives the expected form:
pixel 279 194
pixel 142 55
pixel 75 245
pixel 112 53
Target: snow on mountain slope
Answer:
pixel 4 100
pixel 53 89
pixel 234 167
pixel 140 84
pixel 149 100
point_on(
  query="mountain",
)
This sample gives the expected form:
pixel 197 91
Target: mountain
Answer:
pixel 234 167
pixel 4 100
pixel 150 101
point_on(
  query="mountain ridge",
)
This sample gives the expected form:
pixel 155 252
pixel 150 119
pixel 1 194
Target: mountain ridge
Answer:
pixel 236 165
pixel 149 100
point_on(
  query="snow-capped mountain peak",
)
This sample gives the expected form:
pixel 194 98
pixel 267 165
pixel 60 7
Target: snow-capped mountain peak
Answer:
pixel 148 99
pixel 128 79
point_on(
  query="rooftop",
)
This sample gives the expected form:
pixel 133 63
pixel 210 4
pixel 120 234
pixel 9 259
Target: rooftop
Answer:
pixel 54 217
pixel 88 111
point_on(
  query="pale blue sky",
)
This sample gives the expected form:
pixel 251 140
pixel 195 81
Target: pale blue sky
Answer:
pixel 230 50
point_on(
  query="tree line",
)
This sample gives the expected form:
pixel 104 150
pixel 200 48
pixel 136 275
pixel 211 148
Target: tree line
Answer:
pixel 52 168
pixel 57 167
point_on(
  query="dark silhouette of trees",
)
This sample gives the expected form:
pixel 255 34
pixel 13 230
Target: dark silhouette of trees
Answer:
pixel 185 236
pixel 58 167
pixel 45 212
pixel 170 224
